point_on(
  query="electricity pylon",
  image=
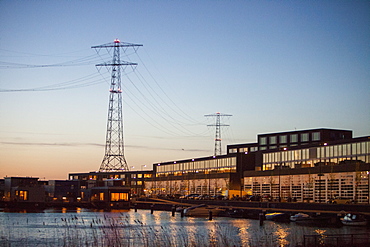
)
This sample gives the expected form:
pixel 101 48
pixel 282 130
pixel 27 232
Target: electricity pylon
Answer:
pixel 218 125
pixel 114 158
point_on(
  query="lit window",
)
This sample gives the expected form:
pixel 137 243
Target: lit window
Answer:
pixel 22 195
pixel 114 197
pixel 101 196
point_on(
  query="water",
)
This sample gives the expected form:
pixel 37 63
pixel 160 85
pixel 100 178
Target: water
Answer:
pixel 84 227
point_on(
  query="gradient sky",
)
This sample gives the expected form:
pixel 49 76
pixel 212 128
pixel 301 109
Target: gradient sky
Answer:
pixel 274 65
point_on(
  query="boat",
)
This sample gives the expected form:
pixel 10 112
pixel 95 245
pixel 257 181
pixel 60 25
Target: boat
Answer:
pixel 277 216
pixel 318 219
pixel 299 217
pixel 202 210
pixel 236 213
pixel 353 219
pixel 243 213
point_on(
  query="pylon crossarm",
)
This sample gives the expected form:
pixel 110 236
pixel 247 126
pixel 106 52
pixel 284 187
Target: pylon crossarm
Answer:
pixel 113 44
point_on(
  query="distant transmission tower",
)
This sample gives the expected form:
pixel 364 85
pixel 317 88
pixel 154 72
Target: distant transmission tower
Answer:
pixel 114 158
pixel 218 125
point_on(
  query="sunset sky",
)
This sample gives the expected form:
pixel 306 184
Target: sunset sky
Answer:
pixel 273 65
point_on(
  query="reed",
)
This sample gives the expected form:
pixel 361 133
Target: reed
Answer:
pixel 126 232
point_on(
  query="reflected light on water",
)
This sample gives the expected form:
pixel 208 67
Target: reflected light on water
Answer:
pixel 282 235
pixel 62 227
pixel 322 236
pixel 191 230
pixel 244 234
pixel 212 234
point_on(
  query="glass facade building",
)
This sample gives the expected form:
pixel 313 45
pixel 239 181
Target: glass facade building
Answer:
pixel 313 165
pixel 209 175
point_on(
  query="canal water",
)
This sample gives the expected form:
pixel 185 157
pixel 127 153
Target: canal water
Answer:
pixel 84 227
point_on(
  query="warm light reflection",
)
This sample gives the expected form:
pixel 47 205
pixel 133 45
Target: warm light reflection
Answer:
pixel 191 230
pixel 244 234
pixel 212 231
pixel 322 236
pixel 282 235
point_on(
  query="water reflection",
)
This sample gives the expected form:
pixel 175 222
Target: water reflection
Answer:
pixel 322 236
pixel 121 227
pixel 244 233
pixel 282 234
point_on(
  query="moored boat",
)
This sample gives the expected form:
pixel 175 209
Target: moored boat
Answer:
pixel 277 216
pixel 306 219
pixel 353 219
pixel 202 210
pixel 299 217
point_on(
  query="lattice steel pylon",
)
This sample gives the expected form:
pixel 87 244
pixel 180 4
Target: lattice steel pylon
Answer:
pixel 218 125
pixel 114 158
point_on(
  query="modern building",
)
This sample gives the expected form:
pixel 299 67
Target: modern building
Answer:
pixel 23 189
pixel 63 191
pixel 307 165
pixel 313 165
pixel 314 173
pixel 134 180
pixel 25 192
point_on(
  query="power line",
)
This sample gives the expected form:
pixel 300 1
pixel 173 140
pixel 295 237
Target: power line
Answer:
pixel 85 81
pixel 184 114
pixel 153 102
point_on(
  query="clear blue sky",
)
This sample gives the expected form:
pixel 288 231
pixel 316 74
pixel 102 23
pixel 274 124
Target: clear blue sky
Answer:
pixel 274 65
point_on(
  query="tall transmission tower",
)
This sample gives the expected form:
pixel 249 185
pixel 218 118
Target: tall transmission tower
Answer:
pixel 114 158
pixel 218 125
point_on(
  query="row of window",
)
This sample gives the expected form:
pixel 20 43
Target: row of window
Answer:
pixel 114 176
pixel 316 162
pixel 185 187
pixel 360 149
pixel 284 156
pixel 114 196
pixel 200 171
pixel 293 138
pixel 228 162
pixel 243 150
pixel 351 185
pixel 272 141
